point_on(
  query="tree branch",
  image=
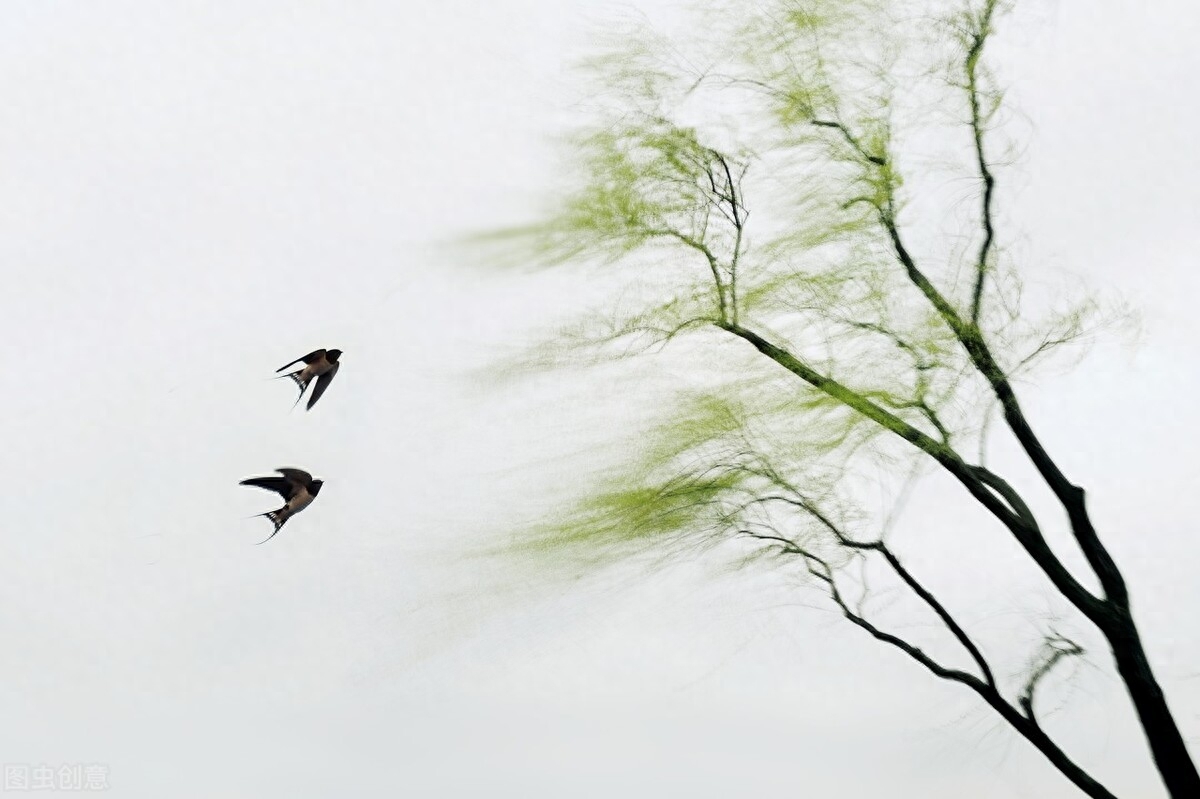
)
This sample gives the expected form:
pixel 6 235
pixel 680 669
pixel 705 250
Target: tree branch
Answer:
pixel 1059 648
pixel 709 256
pixel 1070 495
pixel 1029 538
pixel 1029 729
pixel 904 574
pixel 978 39
pixel 739 222
pixel 1008 493
pixel 852 140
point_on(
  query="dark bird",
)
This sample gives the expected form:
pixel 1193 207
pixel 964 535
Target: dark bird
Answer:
pixel 298 489
pixel 321 364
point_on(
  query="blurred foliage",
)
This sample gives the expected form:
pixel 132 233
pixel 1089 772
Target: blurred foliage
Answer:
pixel 800 116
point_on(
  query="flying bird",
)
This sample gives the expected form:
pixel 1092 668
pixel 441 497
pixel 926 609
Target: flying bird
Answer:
pixel 298 489
pixel 321 364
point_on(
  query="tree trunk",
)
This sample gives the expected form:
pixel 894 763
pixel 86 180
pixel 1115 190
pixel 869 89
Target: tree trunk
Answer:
pixel 1162 733
pixel 1115 620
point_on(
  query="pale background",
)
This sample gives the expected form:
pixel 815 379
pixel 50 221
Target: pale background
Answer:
pixel 193 193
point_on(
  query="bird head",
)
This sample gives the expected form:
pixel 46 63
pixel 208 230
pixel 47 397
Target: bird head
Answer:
pixel 333 355
pixel 314 487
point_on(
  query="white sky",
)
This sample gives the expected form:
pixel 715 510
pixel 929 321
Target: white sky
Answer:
pixel 194 193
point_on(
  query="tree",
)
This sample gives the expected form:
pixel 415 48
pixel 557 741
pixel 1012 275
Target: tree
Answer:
pixel 871 347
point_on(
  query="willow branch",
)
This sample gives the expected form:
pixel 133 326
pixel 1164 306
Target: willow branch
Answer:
pixel 1029 538
pixel 905 576
pixel 709 256
pixel 852 140
pixel 1060 648
pixel 1027 727
pixel 978 39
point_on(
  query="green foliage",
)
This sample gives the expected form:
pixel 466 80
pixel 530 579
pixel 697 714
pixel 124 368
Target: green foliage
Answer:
pixel 627 516
pixel 700 479
pixel 795 116
pixel 641 181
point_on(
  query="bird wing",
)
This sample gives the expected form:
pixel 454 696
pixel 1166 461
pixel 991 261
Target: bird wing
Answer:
pixel 312 356
pixel 296 477
pixel 280 485
pixel 322 383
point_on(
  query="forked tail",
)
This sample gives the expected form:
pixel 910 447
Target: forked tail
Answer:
pixel 277 518
pixel 301 382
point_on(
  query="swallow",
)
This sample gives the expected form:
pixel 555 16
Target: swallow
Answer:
pixel 321 364
pixel 298 489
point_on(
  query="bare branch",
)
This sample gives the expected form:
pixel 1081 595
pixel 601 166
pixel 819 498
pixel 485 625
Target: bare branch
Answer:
pixel 1010 495
pixel 739 214
pixel 709 256
pixel 1070 495
pixel 978 37
pixel 852 140
pixel 820 569
pixel 1054 649
pixel 926 596
pixel 1029 538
